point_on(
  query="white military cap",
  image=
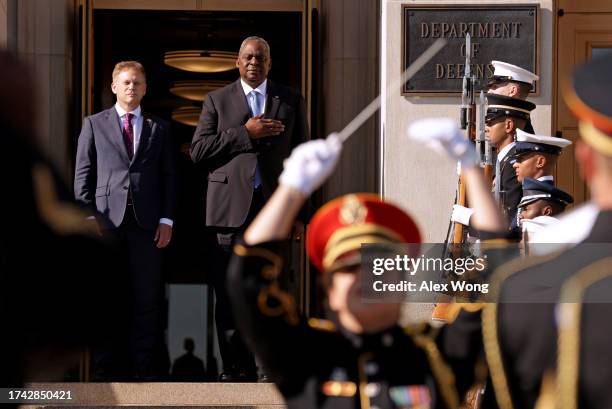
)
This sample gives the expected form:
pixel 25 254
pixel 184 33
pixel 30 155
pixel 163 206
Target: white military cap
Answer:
pixel 504 72
pixel 526 142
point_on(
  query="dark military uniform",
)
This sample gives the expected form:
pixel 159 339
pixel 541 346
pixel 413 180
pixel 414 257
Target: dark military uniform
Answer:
pixel 55 275
pixel 461 340
pixel 57 281
pixel 510 190
pixel 317 364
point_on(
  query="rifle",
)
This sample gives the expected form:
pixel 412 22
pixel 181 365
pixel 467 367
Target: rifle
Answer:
pixel 485 150
pixel 468 122
pixel 457 233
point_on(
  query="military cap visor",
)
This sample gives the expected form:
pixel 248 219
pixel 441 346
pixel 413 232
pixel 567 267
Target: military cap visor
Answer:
pixel 534 190
pixel 534 196
pixel 503 79
pixel 526 142
pixel 495 113
pixel 588 97
pixel 523 148
pixel 501 105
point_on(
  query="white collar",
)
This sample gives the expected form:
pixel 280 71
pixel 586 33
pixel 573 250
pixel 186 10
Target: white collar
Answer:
pixel 539 221
pixel 502 154
pixel 546 178
pixel 122 111
pixel 533 227
pixel 573 227
pixel 262 88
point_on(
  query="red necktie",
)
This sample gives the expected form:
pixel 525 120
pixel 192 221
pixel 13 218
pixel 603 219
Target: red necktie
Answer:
pixel 128 134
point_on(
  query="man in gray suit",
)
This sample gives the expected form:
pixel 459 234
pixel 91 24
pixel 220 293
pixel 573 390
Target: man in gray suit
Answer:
pixel 126 174
pixel 245 131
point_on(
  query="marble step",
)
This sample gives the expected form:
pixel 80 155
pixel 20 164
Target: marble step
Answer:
pixel 163 395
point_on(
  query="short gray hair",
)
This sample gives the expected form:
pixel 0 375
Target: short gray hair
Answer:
pixel 254 38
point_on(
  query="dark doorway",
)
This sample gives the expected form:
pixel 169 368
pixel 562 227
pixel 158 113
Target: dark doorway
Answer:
pixel 145 36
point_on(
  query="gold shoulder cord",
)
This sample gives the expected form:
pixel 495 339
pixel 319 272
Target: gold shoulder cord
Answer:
pixel 489 326
pixel 286 304
pixel 443 374
pixel 568 354
pixel 270 272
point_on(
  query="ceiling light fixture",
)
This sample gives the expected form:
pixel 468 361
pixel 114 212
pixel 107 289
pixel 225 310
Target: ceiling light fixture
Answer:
pixel 188 115
pixel 196 90
pixel 201 60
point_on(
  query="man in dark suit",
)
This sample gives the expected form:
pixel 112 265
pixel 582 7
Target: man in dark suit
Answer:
pixel 126 174
pixel 245 131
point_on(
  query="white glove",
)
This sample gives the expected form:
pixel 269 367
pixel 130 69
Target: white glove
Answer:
pixel 311 163
pixel 461 214
pixel 444 136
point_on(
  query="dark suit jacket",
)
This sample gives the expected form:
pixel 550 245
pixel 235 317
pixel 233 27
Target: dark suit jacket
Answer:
pixel 105 175
pixel 221 143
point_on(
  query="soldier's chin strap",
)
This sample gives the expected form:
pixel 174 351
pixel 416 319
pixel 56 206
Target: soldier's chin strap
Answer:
pixel 392 86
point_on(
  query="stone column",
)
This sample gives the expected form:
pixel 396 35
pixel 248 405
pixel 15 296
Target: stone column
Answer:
pixel 44 39
pixel 350 52
pixel 3 23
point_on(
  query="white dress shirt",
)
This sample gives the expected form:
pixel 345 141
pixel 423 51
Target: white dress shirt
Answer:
pixel 136 123
pixel 261 89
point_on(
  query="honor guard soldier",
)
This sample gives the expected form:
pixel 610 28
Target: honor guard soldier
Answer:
pixel 536 155
pixel 505 116
pixel 359 358
pixel 512 81
pixel 550 323
pixel 56 273
pixel 540 203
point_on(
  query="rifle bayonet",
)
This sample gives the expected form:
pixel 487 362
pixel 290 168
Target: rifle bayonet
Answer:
pixel 466 92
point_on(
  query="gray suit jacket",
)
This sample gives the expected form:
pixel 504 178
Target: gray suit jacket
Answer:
pixel 104 174
pixel 221 143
